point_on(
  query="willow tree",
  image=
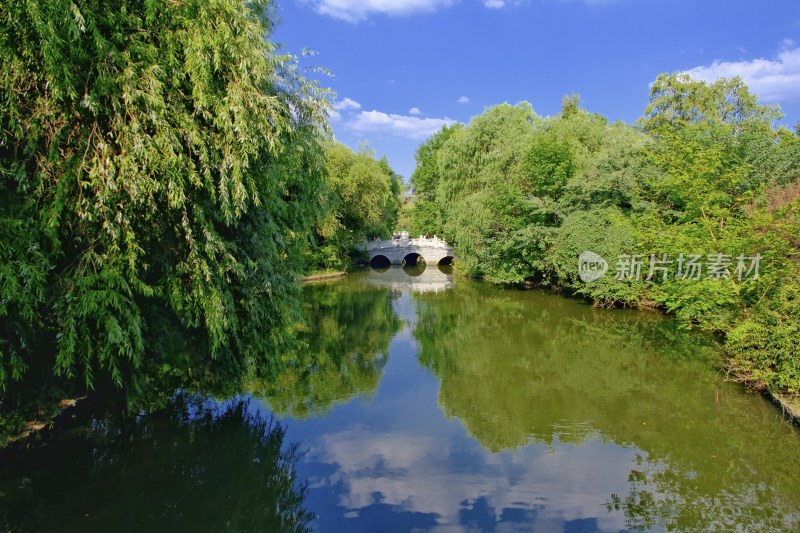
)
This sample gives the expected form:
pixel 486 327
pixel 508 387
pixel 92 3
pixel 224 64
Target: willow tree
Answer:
pixel 156 158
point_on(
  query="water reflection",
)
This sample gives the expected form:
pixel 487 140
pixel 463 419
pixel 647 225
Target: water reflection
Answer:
pixel 197 466
pixel 348 327
pixel 531 412
pixel 416 278
pixel 466 409
pixel 345 347
pixel 520 368
pixel 414 270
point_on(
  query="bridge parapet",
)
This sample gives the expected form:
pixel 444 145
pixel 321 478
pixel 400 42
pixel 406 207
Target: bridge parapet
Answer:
pixel 430 249
pixel 427 242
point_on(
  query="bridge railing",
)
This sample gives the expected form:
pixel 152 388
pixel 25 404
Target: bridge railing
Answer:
pixel 429 242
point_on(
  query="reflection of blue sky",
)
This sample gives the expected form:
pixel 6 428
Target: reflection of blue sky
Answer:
pixel 394 462
pixel 403 305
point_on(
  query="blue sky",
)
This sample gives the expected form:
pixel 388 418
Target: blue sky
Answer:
pixel 402 68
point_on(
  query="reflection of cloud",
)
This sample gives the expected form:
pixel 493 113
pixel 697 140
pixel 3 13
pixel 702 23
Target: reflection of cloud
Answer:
pixel 429 475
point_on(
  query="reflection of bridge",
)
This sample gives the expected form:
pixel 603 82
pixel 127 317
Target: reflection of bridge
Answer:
pixel 415 279
pixel 404 250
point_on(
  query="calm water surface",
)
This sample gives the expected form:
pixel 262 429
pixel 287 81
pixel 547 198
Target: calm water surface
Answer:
pixel 428 404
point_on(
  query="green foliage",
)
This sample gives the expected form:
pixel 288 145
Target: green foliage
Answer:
pixel 607 232
pixel 362 200
pixel 482 186
pixel 550 165
pixel 765 345
pixel 425 216
pixel 677 100
pixel 488 151
pixel 713 142
pixel 24 267
pixel 153 156
pixel 703 172
pixel 618 174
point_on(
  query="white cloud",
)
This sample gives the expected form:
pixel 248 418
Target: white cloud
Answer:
pixel 358 10
pixel 499 4
pixel 414 111
pixel 600 2
pixel 347 103
pixel 407 126
pixel 773 80
pixel 463 100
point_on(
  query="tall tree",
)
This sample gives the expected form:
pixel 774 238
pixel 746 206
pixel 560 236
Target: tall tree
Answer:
pixel 361 199
pixel 426 215
pixel 154 157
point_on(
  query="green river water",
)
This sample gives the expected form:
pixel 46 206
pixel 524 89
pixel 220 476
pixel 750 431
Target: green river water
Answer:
pixel 428 403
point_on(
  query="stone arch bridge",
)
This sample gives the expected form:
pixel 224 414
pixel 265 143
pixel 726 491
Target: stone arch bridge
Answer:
pixel 403 250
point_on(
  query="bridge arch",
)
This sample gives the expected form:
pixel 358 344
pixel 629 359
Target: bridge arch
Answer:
pixel 380 261
pixel 413 259
pixel 446 260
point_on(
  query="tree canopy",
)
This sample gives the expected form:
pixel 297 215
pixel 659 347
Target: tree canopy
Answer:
pixel 361 199
pixel 156 158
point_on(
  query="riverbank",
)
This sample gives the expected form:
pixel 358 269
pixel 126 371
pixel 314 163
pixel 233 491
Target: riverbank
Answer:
pixel 322 276
pixel 789 406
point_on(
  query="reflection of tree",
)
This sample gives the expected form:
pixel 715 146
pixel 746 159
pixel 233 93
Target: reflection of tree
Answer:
pixel 664 493
pixel 347 334
pixel 642 511
pixel 517 367
pixel 194 467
